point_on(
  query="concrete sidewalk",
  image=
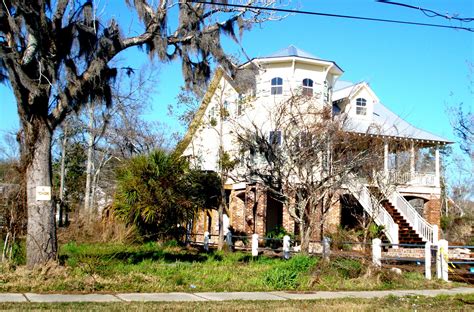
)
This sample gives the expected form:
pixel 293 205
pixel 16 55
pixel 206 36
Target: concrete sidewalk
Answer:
pixel 222 296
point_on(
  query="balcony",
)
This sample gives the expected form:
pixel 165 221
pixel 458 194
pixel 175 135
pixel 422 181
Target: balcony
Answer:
pixel 413 178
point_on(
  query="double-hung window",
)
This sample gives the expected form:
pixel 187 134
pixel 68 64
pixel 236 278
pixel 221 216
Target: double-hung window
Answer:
pixel 277 86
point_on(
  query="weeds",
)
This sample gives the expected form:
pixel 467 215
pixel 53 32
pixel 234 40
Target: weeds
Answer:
pixel 153 267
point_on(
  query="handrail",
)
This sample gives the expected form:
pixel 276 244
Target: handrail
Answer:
pixel 416 221
pixel 378 213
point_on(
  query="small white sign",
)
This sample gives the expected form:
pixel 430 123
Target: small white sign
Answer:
pixel 43 193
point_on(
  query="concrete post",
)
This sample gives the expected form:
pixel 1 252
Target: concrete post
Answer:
pixel 286 247
pixel 326 248
pixel 255 245
pixel 377 252
pixel 206 241
pixel 428 260
pixel 442 260
pixel 228 239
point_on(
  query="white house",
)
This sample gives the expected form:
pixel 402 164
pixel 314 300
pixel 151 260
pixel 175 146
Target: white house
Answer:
pixel 411 212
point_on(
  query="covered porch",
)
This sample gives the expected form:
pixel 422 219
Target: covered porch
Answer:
pixel 414 163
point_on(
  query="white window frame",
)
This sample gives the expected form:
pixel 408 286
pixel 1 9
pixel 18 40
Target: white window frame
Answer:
pixel 361 107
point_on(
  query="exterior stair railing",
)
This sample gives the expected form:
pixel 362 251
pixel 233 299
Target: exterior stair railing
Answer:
pixel 426 231
pixel 380 216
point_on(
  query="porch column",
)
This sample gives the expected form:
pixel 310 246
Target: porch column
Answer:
pixel 385 159
pixel 412 160
pixel 437 170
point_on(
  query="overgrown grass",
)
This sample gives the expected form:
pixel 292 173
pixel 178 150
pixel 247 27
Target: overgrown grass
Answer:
pixel 391 303
pixel 153 267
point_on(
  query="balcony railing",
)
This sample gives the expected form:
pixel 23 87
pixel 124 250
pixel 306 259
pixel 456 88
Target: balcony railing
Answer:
pixel 412 178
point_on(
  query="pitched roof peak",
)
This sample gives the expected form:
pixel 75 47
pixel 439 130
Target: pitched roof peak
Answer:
pixel 292 50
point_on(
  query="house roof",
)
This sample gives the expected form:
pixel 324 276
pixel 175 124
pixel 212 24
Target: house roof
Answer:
pixel 384 121
pixel 291 50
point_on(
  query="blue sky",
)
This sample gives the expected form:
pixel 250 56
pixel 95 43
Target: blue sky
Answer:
pixel 415 71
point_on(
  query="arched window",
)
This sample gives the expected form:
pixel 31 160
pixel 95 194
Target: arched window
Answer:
pixel 277 86
pixel 308 87
pixel 361 106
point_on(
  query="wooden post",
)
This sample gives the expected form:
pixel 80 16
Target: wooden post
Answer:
pixel 437 168
pixel 286 247
pixel 385 159
pixel 255 245
pixel 206 241
pixel 428 260
pixel 377 252
pixel 412 161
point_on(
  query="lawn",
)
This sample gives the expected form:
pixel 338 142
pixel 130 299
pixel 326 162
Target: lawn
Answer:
pixel 151 267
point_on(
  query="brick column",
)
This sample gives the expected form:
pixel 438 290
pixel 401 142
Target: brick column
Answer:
pixel 249 204
pixel 432 210
pixel 237 210
pixel 261 211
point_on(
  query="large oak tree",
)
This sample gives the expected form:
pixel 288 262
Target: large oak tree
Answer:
pixel 56 56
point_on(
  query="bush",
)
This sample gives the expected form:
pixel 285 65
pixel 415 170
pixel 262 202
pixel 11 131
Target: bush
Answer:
pixel 158 193
pixel 276 237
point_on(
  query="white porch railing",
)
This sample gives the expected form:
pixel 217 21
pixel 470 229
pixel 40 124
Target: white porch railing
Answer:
pixel 426 231
pixel 373 208
pixel 415 178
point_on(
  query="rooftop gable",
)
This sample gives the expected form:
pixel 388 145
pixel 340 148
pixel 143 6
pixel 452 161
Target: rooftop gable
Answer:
pixel 383 121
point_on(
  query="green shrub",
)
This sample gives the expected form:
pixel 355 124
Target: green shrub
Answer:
pixel 281 278
pixel 288 274
pixel 276 236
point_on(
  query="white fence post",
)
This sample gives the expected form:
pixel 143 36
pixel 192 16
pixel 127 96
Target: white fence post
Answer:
pixel 255 245
pixel 206 241
pixel 326 248
pixel 428 260
pixel 377 252
pixel 442 260
pixel 286 247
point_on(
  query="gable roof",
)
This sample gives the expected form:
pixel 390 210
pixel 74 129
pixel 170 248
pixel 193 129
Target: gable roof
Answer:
pixel 383 122
pixel 197 120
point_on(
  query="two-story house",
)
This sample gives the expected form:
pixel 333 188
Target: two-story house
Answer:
pixel 411 157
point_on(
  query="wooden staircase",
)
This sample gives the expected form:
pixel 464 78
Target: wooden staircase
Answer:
pixel 406 234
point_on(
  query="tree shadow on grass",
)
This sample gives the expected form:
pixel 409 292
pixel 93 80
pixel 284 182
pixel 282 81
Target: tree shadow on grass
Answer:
pixel 135 257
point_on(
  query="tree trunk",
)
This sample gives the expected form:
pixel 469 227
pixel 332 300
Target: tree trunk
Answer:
pixel 60 206
pixel 88 213
pixel 41 244
pixel 220 244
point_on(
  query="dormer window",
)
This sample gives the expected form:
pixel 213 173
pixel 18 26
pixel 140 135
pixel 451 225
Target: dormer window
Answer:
pixel 361 106
pixel 308 87
pixel 277 86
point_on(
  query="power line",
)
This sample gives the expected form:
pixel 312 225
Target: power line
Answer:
pixel 429 12
pixel 372 19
